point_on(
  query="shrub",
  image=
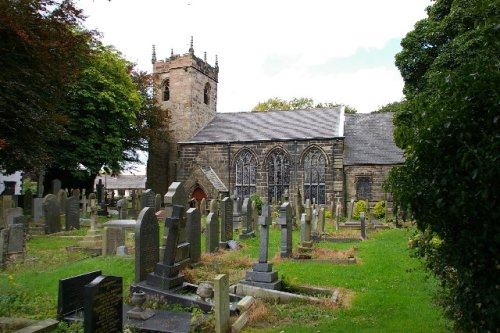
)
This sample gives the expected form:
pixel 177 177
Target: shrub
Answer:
pixel 359 206
pixel 379 210
pixel 258 202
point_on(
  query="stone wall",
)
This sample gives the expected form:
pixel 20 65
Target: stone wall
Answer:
pixel 221 157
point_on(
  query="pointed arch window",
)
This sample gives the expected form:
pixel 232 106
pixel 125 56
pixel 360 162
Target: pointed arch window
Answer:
pixel 314 176
pixel 278 179
pixel 166 90
pixel 206 94
pixel 246 168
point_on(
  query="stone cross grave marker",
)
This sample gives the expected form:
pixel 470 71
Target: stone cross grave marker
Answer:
pixel 212 229
pixel 176 195
pixel 72 213
pixel 148 198
pixel 166 274
pixel 193 224
pixel 226 230
pixel 103 305
pixel 147 244
pixel 71 294
pixel 285 221
pixel 246 219
pixel 52 214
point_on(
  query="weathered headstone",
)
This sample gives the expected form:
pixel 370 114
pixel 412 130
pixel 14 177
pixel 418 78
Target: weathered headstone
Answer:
pixel 157 202
pixel 99 188
pixel 350 209
pixel 62 195
pixel 16 243
pixel 262 274
pixel 193 225
pixel 112 238
pixel 166 274
pixel 285 221
pixel 133 204
pixel 321 220
pixel 84 201
pixel 226 230
pixel 52 214
pixel 6 202
pixel 212 232
pixel 146 244
pixel 75 193
pixel 246 219
pixel 255 216
pixel 237 208
pixel 363 225
pixel 72 213
pixel 298 203
pixel 103 305
pixel 305 238
pixel 12 213
pixel 221 298
pixel 148 198
pixel 28 202
pixel 71 294
pixel 176 195
pixel 92 201
pixel 37 210
pixel 122 206
pixel 56 186
pixel 4 243
pixel 338 214
pixel 203 207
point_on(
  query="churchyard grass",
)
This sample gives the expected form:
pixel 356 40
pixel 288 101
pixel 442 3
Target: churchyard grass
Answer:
pixel 386 291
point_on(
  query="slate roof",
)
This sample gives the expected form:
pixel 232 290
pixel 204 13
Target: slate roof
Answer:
pixel 271 126
pixel 214 179
pixel 369 139
pixel 123 182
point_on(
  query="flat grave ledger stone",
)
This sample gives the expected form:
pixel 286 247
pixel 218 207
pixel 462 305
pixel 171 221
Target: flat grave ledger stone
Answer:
pixel 193 224
pixel 70 299
pixel 52 214
pixel 72 213
pixel 147 244
pixel 226 229
pixel 103 305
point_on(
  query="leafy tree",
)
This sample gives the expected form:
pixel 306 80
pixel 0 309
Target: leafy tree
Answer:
pixel 449 129
pixel 104 118
pixel 42 47
pixel 302 103
pixel 390 107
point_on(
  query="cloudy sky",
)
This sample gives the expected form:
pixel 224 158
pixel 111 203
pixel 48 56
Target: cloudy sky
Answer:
pixel 328 50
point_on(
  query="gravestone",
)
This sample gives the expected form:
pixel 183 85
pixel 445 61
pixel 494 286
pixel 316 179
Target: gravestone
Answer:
pixel 16 245
pixel 84 203
pixel 38 210
pixel 92 201
pixel 103 305
pixel 193 225
pixel 203 207
pixel 28 202
pixel 308 221
pixel 176 195
pixel 246 219
pixel 350 209
pixel 255 216
pixel 62 195
pixel 12 213
pixel 262 274
pixel 70 299
pixel 72 213
pixel 99 188
pixel 147 244
pixel 157 202
pixel 56 186
pixel 363 225
pixel 6 202
pixel 133 204
pixel 237 207
pixel 75 193
pixel 285 221
pixel 305 238
pixel 321 220
pixel 221 300
pixel 52 214
pixel 122 206
pixel 112 238
pixel 298 203
pixel 148 199
pixel 212 229
pixel 338 214
pixel 226 229
pixel 314 222
pixel 166 273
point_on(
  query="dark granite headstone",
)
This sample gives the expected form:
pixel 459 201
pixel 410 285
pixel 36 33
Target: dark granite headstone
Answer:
pixel 285 221
pixel 237 208
pixel 212 233
pixel 148 198
pixel 72 213
pixel 193 225
pixel 157 202
pixel 246 218
pixel 226 230
pixel 56 186
pixel 28 202
pixel 146 244
pixel 100 191
pixel 176 195
pixel 103 305
pixel 52 214
pixel 70 299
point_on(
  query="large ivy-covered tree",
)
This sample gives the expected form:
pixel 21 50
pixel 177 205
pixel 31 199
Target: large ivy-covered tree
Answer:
pixel 449 129
pixel 302 103
pixel 42 48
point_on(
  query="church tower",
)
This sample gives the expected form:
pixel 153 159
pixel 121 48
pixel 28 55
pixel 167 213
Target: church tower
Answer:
pixel 186 92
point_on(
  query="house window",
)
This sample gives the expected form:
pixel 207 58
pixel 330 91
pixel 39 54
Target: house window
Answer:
pixel 246 168
pixel 363 188
pixel 206 94
pixel 278 179
pixel 166 91
pixel 314 176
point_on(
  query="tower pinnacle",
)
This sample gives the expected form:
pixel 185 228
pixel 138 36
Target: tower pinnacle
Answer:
pixel 153 57
pixel 191 49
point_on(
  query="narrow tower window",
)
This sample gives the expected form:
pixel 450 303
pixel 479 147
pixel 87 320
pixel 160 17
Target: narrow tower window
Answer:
pixel 206 94
pixel 166 91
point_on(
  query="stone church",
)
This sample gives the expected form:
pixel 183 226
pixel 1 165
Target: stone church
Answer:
pixel 325 154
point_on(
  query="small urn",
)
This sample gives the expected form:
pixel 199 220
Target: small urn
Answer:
pixel 138 299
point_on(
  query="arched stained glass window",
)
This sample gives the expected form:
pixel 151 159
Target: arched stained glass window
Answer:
pixel 246 168
pixel 314 176
pixel 278 179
